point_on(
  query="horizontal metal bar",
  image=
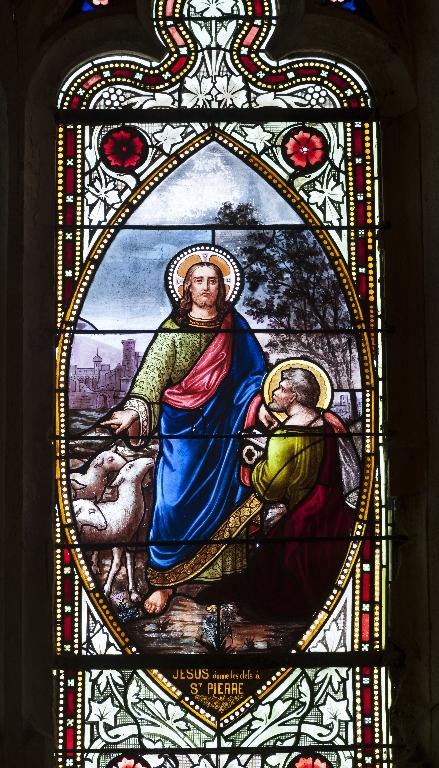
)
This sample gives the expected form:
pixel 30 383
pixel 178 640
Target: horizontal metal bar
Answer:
pixel 214 116
pixel 73 437
pixel 70 327
pixel 214 659
pixel 342 390
pixel 144 546
pixel 265 16
pixel 219 227
pixel 231 751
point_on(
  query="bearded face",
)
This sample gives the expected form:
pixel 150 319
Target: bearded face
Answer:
pixel 204 286
pixel 282 398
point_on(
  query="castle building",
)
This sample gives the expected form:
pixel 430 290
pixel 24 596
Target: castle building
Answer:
pixel 100 387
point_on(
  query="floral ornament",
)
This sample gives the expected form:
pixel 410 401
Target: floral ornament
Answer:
pixel 317 96
pixel 310 761
pixel 103 712
pixel 198 92
pixel 102 196
pixel 225 32
pixel 334 711
pixel 105 677
pixel 123 149
pixel 128 762
pixel 125 763
pixel 274 99
pixel 170 136
pixel 138 100
pixel 112 98
pixel 333 639
pixel 201 32
pixel 305 149
pixel 230 91
pixel 325 196
pixel 211 8
pixel 95 637
pixel 257 136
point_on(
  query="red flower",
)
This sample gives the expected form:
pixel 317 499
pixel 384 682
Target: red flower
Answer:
pixel 123 148
pixel 304 149
pixel 311 762
pixel 126 763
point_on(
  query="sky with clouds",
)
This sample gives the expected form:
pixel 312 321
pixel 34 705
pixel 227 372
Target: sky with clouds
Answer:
pixel 128 289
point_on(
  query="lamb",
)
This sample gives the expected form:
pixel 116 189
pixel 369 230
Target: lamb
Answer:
pixel 111 522
pixel 92 483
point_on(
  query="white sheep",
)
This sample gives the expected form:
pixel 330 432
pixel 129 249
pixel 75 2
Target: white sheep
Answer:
pixel 92 483
pixel 116 522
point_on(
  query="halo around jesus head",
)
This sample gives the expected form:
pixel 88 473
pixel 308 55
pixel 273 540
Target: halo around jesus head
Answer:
pixel 204 254
pixel 273 378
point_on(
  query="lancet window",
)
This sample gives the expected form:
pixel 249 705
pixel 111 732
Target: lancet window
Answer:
pixel 222 536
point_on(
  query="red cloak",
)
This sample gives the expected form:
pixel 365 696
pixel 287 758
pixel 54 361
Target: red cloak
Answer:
pixel 294 567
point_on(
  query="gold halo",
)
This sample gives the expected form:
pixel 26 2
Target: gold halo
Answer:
pixel 273 377
pixel 206 254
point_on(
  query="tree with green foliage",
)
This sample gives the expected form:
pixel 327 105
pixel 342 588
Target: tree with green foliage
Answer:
pixel 292 287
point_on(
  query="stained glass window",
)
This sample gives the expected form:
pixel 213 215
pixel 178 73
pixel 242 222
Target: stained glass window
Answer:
pixel 222 536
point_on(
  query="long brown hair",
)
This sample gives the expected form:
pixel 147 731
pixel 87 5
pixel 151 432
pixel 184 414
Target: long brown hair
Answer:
pixel 222 306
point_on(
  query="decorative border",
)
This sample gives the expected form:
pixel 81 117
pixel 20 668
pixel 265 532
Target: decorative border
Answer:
pixel 247 56
pixel 182 572
pixel 366 560
pixel 360 284
pixel 67 336
pixel 68 705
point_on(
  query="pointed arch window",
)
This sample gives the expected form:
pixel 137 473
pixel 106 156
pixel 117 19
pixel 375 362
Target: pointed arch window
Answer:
pixel 221 528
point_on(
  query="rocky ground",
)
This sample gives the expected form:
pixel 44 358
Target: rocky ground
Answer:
pixel 187 627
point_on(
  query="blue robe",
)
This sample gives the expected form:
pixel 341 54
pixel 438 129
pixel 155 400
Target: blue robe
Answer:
pixel 197 483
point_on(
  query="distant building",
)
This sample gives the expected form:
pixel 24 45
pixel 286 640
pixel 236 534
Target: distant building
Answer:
pixel 347 405
pixel 99 388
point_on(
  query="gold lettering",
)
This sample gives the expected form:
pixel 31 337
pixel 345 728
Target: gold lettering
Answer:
pixel 225 689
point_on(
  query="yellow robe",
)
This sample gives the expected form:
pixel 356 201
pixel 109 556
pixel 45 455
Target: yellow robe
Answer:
pixel 290 469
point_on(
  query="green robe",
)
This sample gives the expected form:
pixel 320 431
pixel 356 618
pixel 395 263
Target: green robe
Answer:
pixel 290 469
pixel 168 359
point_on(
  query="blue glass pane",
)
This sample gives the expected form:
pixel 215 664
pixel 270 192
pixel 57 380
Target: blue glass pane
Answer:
pixel 359 7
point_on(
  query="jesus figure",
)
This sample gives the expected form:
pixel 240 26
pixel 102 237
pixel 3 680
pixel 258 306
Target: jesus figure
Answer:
pixel 197 386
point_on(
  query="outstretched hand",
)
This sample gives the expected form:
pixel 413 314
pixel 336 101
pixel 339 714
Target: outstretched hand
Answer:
pixel 121 421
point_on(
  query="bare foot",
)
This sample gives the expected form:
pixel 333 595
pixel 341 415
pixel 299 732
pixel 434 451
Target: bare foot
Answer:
pixel 157 601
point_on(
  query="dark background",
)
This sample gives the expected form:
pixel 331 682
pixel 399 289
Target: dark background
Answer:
pixel 41 40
